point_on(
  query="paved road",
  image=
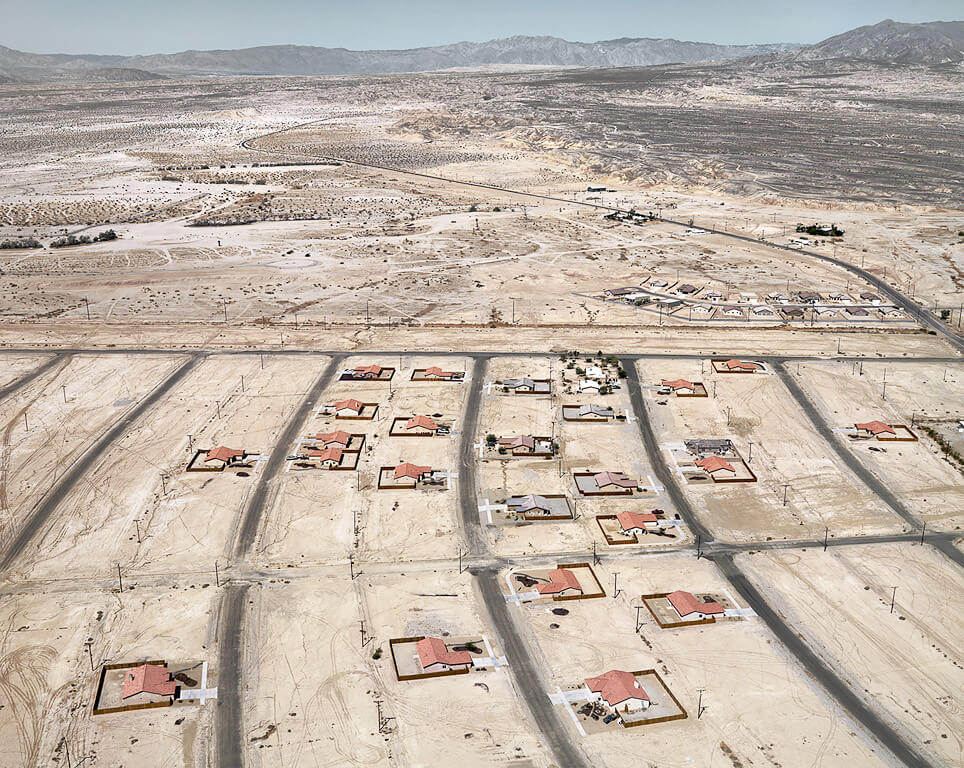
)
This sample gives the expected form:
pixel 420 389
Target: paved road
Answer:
pixel 468 493
pixel 528 681
pixel 22 381
pixel 527 678
pixel 251 519
pixel 40 514
pixel 846 698
pixel 854 463
pixel 228 720
pixel 481 353
pixel 827 678
pixel 912 308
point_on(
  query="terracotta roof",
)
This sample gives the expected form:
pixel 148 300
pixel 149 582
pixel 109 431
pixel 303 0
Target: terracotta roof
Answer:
pixel 334 437
pixel 714 463
pixel 686 603
pixel 351 404
pixel 678 384
pixel 616 686
pixel 741 365
pixel 436 371
pixel 365 370
pixel 148 678
pixel 327 454
pixel 628 520
pixel 424 422
pixel 876 427
pixel 613 478
pixel 407 469
pixel 432 650
pixel 222 453
pixel 560 580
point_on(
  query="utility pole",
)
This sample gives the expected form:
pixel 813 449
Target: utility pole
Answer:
pixel 923 528
pixel 749 458
pixel 351 565
pixel 90 653
pixel 785 486
pixel 120 581
pixel 26 427
pixel 137 528
pixel 893 597
pixel 163 485
pixel 595 557
pixel 365 639
pixel 727 415
pixel 638 625
pixel 699 546
pixel 261 355
pixel 615 589
pixel 190 444
pixel 826 536
pixel 64 387
pixel 242 384
pixel 368 318
pixel 700 709
pixel 218 404
pixel 87 307
pixel 217 574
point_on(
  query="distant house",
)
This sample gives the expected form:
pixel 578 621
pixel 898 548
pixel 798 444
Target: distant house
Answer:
pixel 562 582
pixel 409 471
pixel 687 606
pixel 702 309
pixel 223 456
pixel 713 295
pixel 875 429
pixel 589 385
pixel 148 678
pixel 658 283
pixel 825 312
pixel 526 385
pixel 637 523
pixel 776 296
pixel 857 312
pixel 889 311
pixel 595 412
pixel 619 292
pixel 762 311
pixel 807 297
pixel 873 298
pixel 620 690
pixel 531 504
pixel 732 311
pixel 839 298
pixel 434 656
pixel 716 467
pixel 794 313
pixel 686 289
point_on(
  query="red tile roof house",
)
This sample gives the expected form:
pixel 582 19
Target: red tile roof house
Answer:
pixel 330 457
pixel 148 678
pixel 687 605
pixel 435 657
pixel 562 582
pixel 874 429
pixel 422 423
pixel 741 365
pixel 225 456
pixel 410 474
pixel 434 372
pixel 637 523
pixel 620 690
pixel 367 371
pixel 716 466
pixel 339 439
pixel 348 406
pixel 680 386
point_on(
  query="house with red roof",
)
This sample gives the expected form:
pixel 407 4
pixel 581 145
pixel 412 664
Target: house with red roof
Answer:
pixel 619 690
pixel 424 423
pixel 435 373
pixel 434 656
pixel 562 583
pixel 637 523
pixel 737 366
pixel 875 429
pixel 367 371
pixel 148 679
pixel 223 456
pixel 689 607
pixel 404 475
pixel 347 407
pixel 526 445
pixel 339 439
pixel 327 457
pixel 716 467
pixel 679 386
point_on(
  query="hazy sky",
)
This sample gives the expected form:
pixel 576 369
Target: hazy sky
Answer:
pixel 165 26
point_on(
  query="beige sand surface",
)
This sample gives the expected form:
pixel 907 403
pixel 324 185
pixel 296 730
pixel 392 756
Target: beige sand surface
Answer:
pixel 905 664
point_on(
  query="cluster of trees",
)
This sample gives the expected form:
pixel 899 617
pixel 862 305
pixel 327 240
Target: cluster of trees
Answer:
pixel 820 229
pixel 100 237
pixel 21 242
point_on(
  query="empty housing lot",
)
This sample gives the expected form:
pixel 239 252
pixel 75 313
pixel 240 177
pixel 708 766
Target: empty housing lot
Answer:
pixel 789 458
pixel 905 662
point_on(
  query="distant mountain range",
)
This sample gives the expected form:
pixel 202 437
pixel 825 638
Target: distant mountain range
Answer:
pixel 931 43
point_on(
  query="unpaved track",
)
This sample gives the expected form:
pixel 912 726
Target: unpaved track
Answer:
pixel 22 381
pixel 41 513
